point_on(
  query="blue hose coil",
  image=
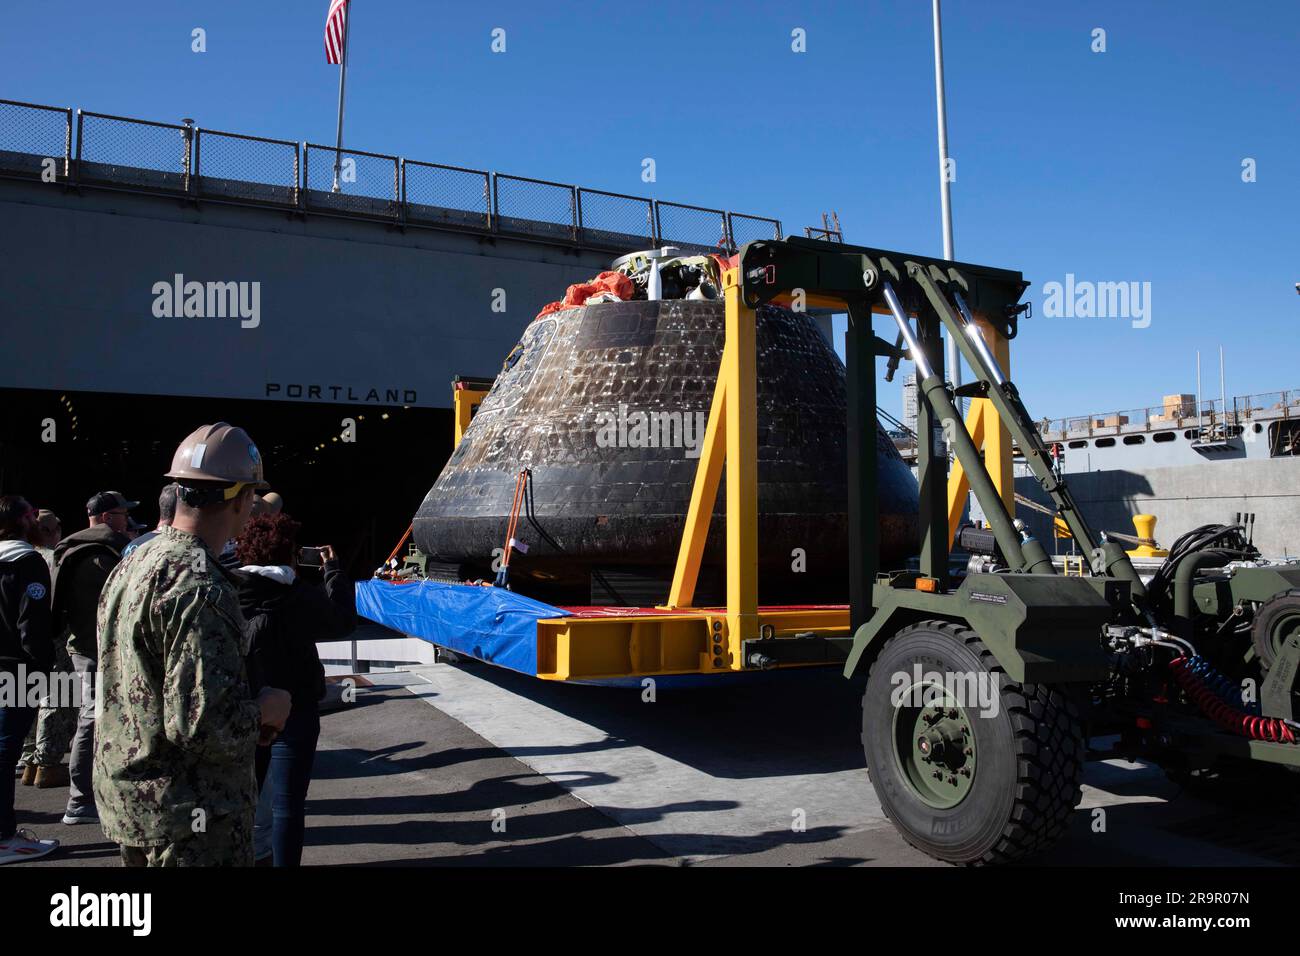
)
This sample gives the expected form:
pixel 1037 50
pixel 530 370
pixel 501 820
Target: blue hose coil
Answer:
pixel 1224 689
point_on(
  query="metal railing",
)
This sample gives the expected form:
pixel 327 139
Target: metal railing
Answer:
pixel 129 152
pixel 826 235
pixel 250 168
pixel 612 218
pixel 1273 404
pixel 369 184
pixel 118 152
pixel 535 207
pixel 447 195
pixel 742 229
pixel 1183 413
pixel 30 135
pixel 691 227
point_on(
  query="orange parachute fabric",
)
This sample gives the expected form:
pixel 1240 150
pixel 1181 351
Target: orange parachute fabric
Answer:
pixel 614 283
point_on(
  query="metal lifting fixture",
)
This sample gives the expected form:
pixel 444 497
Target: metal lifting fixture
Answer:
pixel 863 281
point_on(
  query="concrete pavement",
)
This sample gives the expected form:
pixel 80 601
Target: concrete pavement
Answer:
pixel 472 765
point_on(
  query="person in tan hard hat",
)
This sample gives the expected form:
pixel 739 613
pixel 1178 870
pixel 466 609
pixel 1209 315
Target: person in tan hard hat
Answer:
pixel 174 761
pixel 268 504
pixel 47 535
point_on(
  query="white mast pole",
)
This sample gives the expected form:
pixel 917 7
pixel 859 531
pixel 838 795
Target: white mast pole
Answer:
pixel 1223 391
pixel 1198 391
pixel 953 358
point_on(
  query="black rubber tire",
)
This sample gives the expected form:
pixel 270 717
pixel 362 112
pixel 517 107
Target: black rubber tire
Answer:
pixel 1029 755
pixel 1283 604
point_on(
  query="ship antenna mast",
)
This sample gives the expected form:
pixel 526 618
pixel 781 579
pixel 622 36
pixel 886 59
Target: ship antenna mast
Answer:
pixel 1223 395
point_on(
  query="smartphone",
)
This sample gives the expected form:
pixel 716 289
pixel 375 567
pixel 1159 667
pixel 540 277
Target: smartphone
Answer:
pixel 311 557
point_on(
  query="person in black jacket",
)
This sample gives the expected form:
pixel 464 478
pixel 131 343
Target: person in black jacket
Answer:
pixel 286 615
pixel 26 648
pixel 82 563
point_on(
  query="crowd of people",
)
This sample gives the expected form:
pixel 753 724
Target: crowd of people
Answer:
pixel 191 735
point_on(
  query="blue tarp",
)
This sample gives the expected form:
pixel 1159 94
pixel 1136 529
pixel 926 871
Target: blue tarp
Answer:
pixel 491 624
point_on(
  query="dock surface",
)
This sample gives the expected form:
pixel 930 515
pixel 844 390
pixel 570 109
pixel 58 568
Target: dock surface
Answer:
pixel 467 764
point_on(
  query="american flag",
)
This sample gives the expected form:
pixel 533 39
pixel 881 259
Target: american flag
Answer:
pixel 335 30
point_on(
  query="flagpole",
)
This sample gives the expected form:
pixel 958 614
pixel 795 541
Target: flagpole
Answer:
pixel 343 77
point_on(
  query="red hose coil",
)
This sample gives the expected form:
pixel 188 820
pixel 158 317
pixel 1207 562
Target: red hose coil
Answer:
pixel 1224 714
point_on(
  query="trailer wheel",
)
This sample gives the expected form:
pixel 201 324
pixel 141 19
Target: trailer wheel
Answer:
pixel 1275 621
pixel 973 768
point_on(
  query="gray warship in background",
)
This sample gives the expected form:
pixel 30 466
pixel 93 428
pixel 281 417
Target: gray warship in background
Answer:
pixel 1187 462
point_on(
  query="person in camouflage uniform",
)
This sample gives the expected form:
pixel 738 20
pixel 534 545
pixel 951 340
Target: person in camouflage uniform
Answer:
pixel 51 735
pixel 174 754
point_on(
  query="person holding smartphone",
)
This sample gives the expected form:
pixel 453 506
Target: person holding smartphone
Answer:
pixel 287 615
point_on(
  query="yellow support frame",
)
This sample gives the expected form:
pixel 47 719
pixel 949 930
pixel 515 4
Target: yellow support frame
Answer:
pixel 731 438
pixel 683 639
pixel 986 428
pixel 716 450
pixel 464 401
pixel 653 645
pixel 708 475
pixel 739 375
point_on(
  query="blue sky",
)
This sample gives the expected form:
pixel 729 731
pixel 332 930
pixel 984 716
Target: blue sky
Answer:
pixel 1115 166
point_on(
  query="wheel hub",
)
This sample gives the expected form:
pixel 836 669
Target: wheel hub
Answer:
pixel 934 746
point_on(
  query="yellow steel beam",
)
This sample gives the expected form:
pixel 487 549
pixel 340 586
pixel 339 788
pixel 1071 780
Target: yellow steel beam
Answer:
pixel 464 401
pixel 986 428
pixel 704 495
pixel 740 374
pixel 958 483
pixel 594 648
pixel 997 440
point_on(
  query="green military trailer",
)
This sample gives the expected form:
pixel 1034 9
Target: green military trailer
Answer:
pixel 984 687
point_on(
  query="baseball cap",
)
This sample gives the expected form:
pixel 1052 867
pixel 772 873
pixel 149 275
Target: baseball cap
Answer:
pixel 107 501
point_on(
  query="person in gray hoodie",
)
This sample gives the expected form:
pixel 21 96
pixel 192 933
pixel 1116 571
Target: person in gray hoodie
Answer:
pixel 26 648
pixel 82 562
pixel 51 736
